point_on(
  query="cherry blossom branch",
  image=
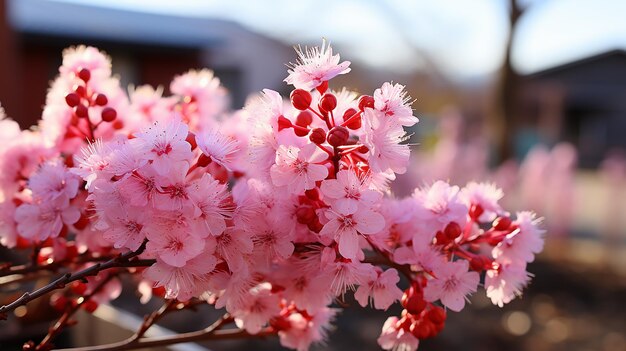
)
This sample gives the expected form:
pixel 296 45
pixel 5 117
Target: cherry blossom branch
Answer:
pixel 123 260
pixel 384 259
pixel 59 326
pixel 212 332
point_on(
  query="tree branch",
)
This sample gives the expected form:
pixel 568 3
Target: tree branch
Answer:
pixel 212 332
pixel 123 260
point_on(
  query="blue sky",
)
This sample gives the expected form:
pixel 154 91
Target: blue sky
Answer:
pixel 463 38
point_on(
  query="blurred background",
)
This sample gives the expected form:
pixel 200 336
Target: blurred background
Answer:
pixel 530 94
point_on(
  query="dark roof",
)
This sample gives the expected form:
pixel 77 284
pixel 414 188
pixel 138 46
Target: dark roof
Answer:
pixel 616 53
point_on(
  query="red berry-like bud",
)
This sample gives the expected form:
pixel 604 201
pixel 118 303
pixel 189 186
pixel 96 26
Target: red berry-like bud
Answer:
pixel 204 160
pixel 305 215
pixel 84 74
pixel 366 101
pixel 118 125
pixel 338 136
pixel 301 99
pixel 328 102
pixel 283 123
pixel 101 100
pixel 476 211
pixel 109 114
pixel 477 263
pixel 437 314
pixel 413 300
pixel 90 306
pixel 301 131
pixel 81 111
pixel 191 139
pixel 79 288
pixel 80 90
pixel 58 302
pixel 312 194
pixel 72 99
pixel 453 230
pixel 442 238
pixel 318 136
pixel 422 329
pixel 502 223
pixel 304 119
pixel 354 123
pixel 322 87
pixel 363 149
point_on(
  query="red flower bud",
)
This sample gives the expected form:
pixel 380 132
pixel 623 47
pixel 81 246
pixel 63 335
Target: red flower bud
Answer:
pixel 502 223
pixel 101 100
pixel 72 99
pixel 191 139
pixel 318 136
pixel 354 123
pixel 437 314
pixel 476 211
pixel 283 123
pixel 328 102
pixel 81 111
pixel 301 99
pixel 453 230
pixel 338 136
pixel 90 306
pixel 84 74
pixel 366 101
pixel 322 87
pixel 204 160
pixel 304 119
pixel 109 114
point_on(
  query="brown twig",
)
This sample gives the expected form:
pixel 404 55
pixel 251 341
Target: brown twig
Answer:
pixel 383 259
pixel 212 332
pixel 123 260
pixel 59 326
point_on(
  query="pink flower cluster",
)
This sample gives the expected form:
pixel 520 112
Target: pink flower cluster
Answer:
pixel 271 212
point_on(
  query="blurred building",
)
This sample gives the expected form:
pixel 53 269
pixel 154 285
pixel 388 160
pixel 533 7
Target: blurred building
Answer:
pixel 582 102
pixel 145 48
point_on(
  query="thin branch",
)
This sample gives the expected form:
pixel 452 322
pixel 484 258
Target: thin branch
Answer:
pixel 212 332
pixel 123 260
pixel 59 326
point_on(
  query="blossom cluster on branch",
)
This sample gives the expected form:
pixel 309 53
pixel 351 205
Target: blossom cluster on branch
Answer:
pixel 274 212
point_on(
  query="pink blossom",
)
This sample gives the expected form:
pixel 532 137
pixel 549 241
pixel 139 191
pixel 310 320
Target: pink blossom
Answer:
pixel 345 229
pixel 219 147
pixel 184 282
pixel 231 245
pixel 451 284
pixel 441 205
pixel 309 291
pixel 173 243
pixel 88 57
pixel 164 144
pixel 505 282
pixel 393 337
pixel 54 184
pixel 259 306
pixel 426 258
pixel 348 274
pixel 93 163
pixel 380 287
pixel 385 138
pixel 272 241
pixel 126 227
pixel 305 330
pixel 142 186
pixel 41 221
pixel 522 244
pixel 348 192
pixel 203 91
pixel 298 169
pixel 392 100
pixel 314 66
pixel 209 196
pixel 486 195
